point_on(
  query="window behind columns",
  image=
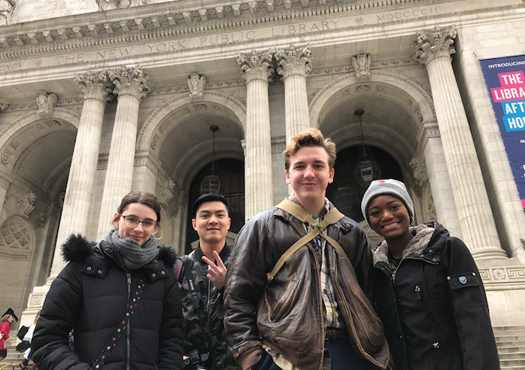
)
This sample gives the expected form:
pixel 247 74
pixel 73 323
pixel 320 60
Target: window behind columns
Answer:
pixel 344 192
pixel 231 173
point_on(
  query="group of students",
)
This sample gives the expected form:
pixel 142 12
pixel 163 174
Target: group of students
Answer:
pixel 300 290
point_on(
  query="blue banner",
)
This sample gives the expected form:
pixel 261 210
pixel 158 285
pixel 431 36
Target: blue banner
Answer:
pixel 505 79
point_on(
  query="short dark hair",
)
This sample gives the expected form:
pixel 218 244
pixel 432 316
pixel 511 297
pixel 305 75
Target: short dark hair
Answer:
pixel 206 198
pixel 142 197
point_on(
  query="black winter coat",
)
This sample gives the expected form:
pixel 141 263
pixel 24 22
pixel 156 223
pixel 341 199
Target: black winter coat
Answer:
pixel 433 306
pixel 91 295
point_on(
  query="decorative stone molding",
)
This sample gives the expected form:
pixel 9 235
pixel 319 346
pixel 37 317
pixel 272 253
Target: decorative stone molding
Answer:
pixel 294 61
pixel 130 81
pixel 196 84
pixel 16 242
pixel 94 85
pixel 278 144
pixel 104 5
pixel 361 64
pixel 26 205
pixel 429 209
pixel 420 174
pixel 6 9
pixel 502 277
pixel 46 103
pixel 243 146
pixel 3 105
pixel 42 219
pixel 256 65
pixel 436 43
pixel 166 191
pixel 5 180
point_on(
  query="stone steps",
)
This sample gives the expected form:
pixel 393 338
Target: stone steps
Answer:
pixel 510 341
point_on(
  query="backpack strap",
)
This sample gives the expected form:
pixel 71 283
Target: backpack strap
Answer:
pixel 318 228
pixel 178 268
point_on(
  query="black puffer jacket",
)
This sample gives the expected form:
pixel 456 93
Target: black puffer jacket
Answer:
pixel 433 306
pixel 91 295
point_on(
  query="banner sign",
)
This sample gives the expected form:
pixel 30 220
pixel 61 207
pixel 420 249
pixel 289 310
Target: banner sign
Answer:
pixel 505 79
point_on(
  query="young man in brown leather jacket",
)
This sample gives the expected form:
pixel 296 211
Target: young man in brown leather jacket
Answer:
pixel 299 285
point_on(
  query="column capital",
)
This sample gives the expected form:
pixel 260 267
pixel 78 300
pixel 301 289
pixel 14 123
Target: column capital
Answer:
pixel 94 85
pixel 256 65
pixel 130 81
pixel 294 61
pixel 433 44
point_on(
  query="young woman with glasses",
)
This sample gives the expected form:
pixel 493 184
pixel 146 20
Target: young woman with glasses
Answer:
pixel 119 297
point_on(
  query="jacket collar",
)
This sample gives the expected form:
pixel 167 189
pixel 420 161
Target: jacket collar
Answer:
pixel 96 258
pixel 415 248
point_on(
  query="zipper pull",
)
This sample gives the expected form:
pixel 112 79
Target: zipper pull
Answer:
pixel 418 291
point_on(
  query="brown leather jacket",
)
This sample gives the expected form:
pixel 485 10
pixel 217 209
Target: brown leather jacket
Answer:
pixel 287 314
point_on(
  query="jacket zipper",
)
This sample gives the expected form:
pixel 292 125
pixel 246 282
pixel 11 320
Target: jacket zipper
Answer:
pixel 128 345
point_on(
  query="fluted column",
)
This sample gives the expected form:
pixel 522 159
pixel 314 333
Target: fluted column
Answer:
pixel 130 86
pixel 258 152
pixel 294 65
pixel 433 48
pixel 95 89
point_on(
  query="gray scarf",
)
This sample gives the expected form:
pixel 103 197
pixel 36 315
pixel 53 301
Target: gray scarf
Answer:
pixel 132 253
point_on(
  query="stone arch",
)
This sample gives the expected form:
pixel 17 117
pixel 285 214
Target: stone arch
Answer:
pixel 146 138
pixel 400 91
pixel 23 130
pixel 416 92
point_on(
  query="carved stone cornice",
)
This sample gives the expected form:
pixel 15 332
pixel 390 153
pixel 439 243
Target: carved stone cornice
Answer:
pixel 294 61
pixel 3 105
pixel 130 81
pixel 256 65
pixel 95 85
pixel 165 21
pixel 436 43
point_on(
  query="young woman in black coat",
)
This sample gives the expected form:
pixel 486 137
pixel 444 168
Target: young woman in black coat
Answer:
pixel 428 291
pixel 119 297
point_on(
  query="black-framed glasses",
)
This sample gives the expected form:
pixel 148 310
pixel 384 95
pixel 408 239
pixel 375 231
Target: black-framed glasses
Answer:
pixel 132 222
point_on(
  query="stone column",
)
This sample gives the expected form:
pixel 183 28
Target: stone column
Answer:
pixel 258 152
pixel 431 148
pixel 433 49
pixel 95 89
pixel 294 65
pixel 130 86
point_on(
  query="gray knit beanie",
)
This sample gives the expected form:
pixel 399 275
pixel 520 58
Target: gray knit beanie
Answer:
pixel 388 187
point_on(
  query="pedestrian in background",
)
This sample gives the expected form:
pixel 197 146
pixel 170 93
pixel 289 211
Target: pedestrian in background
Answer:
pixel 5 328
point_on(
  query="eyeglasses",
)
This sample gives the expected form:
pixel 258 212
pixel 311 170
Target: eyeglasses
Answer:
pixel 133 222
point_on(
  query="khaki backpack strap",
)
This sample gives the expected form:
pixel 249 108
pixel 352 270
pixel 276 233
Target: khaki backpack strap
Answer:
pixel 290 251
pixel 302 214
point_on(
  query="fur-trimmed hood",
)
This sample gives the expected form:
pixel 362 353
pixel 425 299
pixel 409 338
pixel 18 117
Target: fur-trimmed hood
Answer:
pixel 425 235
pixel 78 248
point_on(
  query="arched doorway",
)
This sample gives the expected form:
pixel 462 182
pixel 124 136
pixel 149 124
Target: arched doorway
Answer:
pixel 231 174
pixel 345 192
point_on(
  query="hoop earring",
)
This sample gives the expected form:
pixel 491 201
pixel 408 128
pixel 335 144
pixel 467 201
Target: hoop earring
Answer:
pixel 161 234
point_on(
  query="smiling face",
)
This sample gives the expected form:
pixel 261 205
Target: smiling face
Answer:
pixel 140 212
pixel 212 222
pixel 309 174
pixel 389 218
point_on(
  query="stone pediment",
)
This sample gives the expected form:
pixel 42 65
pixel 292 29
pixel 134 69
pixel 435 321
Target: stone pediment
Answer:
pixel 176 18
